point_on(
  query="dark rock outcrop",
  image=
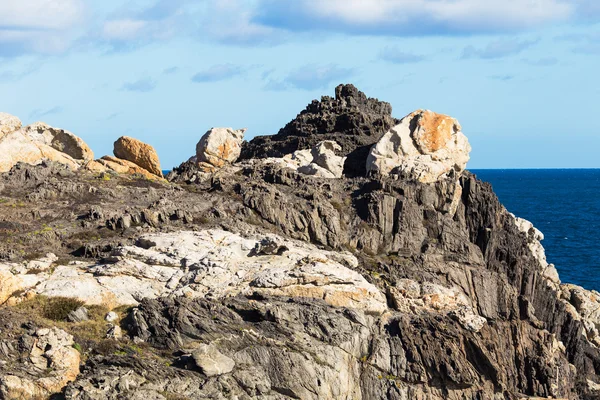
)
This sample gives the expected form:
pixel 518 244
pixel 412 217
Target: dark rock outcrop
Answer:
pixel 471 313
pixel 351 119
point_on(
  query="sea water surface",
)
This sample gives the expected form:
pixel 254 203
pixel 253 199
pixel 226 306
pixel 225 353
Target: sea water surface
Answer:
pixel 565 205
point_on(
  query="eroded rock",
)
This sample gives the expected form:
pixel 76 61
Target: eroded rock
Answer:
pixel 211 361
pixel 57 364
pixel 209 263
pixel 119 166
pixel 139 153
pixel 219 147
pixel 351 119
pixel 61 140
pixel 18 147
pixel 425 146
pixel 8 123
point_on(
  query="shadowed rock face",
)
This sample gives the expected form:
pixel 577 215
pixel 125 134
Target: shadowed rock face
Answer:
pixel 351 119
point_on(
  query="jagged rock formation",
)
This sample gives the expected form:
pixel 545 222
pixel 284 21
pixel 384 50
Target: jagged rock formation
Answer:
pixel 139 153
pixel 425 146
pixel 351 119
pixel 52 363
pixel 263 282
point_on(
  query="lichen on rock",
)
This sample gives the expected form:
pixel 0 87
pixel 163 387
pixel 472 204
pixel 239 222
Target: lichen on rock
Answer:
pixel 424 146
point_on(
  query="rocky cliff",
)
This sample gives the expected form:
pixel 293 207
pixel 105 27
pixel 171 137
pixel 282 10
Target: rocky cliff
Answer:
pixel 397 276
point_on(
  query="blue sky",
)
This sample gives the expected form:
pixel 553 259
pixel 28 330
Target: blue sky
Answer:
pixel 521 76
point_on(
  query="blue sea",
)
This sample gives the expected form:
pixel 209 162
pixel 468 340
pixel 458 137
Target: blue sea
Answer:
pixel 565 205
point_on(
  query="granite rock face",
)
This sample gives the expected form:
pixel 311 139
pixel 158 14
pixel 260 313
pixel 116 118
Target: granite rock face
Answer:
pixel 351 119
pixel 61 140
pixel 219 147
pixel 425 146
pixel 38 142
pixel 139 153
pixel 9 123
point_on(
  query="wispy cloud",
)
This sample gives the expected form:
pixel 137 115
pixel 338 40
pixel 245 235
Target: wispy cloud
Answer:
pixel 541 62
pixel 38 113
pixel 218 72
pixel 498 49
pixel 244 31
pixel 131 29
pixel 170 71
pixel 110 117
pixel 397 56
pixel 311 77
pixel 142 85
pixel 15 75
pixel 502 77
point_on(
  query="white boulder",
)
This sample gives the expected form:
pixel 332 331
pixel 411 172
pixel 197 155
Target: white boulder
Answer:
pixel 211 361
pixel 425 146
pixel 219 147
pixel 325 163
pixel 61 140
pixel 321 161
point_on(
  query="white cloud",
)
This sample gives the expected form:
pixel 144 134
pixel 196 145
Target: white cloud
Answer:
pixel 498 49
pixel 232 22
pixel 123 29
pixel 40 14
pixel 310 77
pixel 44 26
pixel 130 29
pixel 415 17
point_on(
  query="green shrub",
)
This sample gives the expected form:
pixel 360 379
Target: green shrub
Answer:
pixel 58 308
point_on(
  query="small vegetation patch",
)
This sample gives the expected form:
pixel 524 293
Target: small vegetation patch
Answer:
pixel 58 308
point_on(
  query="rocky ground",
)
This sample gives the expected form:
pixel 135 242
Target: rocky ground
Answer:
pixel 351 256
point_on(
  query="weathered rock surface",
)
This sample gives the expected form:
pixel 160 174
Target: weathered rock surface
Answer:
pixel 425 146
pixel 61 140
pixel 17 147
pixel 139 153
pixel 119 166
pixel 210 360
pixel 325 163
pixel 351 119
pixel 213 264
pixel 219 147
pixel 8 123
pixel 52 363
